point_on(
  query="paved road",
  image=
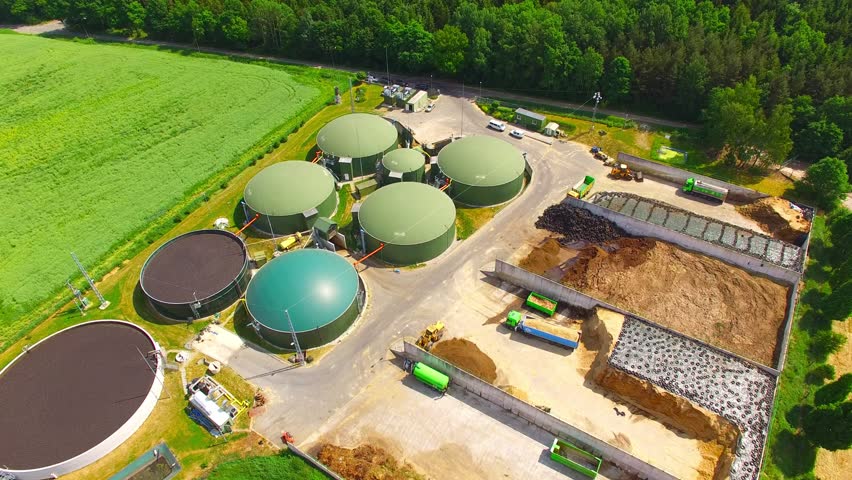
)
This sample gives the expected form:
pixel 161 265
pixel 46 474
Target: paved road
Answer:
pixel 448 86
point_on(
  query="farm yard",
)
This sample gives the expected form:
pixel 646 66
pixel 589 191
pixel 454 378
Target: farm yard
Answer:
pixel 125 149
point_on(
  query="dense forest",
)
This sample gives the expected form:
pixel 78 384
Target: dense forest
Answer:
pixel 786 65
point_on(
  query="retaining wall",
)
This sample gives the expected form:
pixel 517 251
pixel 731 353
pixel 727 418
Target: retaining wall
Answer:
pixel 531 414
pixel 313 461
pixel 678 176
pixel 519 277
pixel 645 229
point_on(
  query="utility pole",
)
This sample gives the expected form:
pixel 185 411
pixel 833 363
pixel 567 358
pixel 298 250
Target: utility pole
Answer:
pixel 597 97
pixel 387 65
pixel 480 90
pixel 79 299
pixel 104 304
pixel 300 357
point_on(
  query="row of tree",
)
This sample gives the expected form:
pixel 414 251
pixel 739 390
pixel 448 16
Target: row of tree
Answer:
pixel 765 69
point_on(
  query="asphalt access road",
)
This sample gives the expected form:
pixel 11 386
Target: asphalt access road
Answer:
pixel 401 304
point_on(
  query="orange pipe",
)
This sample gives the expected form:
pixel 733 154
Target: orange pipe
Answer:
pixel 369 254
pixel 316 159
pixel 256 216
pixel 447 185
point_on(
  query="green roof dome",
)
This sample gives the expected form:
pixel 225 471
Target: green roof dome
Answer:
pixel 289 188
pixel 404 160
pixel 315 286
pixel 357 135
pixel 481 161
pixel 407 213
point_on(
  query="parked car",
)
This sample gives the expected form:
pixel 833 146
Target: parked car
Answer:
pixel 497 125
pixel 422 86
pixel 517 133
pixel 430 107
pixel 596 149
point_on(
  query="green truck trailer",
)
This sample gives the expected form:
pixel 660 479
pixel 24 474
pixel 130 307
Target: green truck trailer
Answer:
pixel 583 187
pixel 704 189
pixel 575 458
pixel 431 377
pixel 541 303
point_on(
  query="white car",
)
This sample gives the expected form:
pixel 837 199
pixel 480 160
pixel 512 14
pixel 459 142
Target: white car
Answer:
pixel 517 133
pixel 430 107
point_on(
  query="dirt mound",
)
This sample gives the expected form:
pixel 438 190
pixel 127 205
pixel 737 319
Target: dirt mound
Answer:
pixel 693 294
pixel 365 462
pixel 778 218
pixel 576 224
pixel 467 356
pixel 621 254
pixel 542 257
pixel 720 435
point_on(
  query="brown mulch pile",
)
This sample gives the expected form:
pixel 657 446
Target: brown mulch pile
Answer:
pixel 776 217
pixel 691 293
pixel 542 258
pixel 365 462
pixel 467 356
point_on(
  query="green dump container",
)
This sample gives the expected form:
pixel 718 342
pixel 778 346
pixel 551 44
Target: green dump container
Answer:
pixel 541 303
pixel 431 377
pixel 575 458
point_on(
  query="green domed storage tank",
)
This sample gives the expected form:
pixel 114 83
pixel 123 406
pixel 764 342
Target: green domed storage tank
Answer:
pixel 290 196
pixel 484 170
pixel 354 143
pixel 415 221
pixel 320 290
pixel 403 165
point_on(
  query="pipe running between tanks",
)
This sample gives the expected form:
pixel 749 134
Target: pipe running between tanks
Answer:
pixel 256 216
pixel 369 254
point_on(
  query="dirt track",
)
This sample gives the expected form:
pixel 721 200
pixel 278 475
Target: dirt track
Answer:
pixel 690 293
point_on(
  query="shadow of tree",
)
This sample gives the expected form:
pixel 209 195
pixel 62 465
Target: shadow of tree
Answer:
pixel 793 454
pixel 796 415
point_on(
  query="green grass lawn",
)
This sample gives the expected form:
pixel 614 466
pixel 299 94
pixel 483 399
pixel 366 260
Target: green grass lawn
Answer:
pixel 788 453
pixel 283 466
pixel 101 143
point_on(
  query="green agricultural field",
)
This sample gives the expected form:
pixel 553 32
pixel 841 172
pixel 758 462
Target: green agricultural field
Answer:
pixel 101 143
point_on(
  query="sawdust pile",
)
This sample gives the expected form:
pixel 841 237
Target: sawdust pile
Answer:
pixel 365 462
pixel 717 434
pixel 467 356
pixel 778 218
pixel 542 257
pixel 693 294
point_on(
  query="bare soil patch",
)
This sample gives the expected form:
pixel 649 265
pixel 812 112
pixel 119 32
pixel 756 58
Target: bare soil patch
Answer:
pixel 467 356
pixel 691 293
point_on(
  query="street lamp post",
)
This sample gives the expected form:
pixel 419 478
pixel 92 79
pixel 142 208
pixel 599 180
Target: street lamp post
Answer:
pixel 597 97
pixel 480 89
pixel 430 84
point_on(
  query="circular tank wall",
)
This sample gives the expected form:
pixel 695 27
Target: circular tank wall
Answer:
pixel 196 274
pixel 319 290
pixel 403 165
pixel 415 221
pixel 484 170
pixel 354 143
pixel 76 396
pixel 290 196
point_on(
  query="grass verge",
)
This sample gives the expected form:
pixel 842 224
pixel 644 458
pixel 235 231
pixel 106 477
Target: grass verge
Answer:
pixel 469 220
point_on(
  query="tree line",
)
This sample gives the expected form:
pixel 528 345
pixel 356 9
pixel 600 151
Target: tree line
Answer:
pixel 777 62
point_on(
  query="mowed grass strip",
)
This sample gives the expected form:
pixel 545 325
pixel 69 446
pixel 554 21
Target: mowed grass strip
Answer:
pixel 98 141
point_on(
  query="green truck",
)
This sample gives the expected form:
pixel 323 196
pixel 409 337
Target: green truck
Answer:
pixel 583 187
pixel 430 377
pixel 704 189
pixel 541 303
pixel 575 458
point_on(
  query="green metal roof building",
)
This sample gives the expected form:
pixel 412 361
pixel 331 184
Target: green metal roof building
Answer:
pixel 403 165
pixel 484 170
pixel 354 143
pixel 415 221
pixel 290 196
pixel 533 121
pixel 320 291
